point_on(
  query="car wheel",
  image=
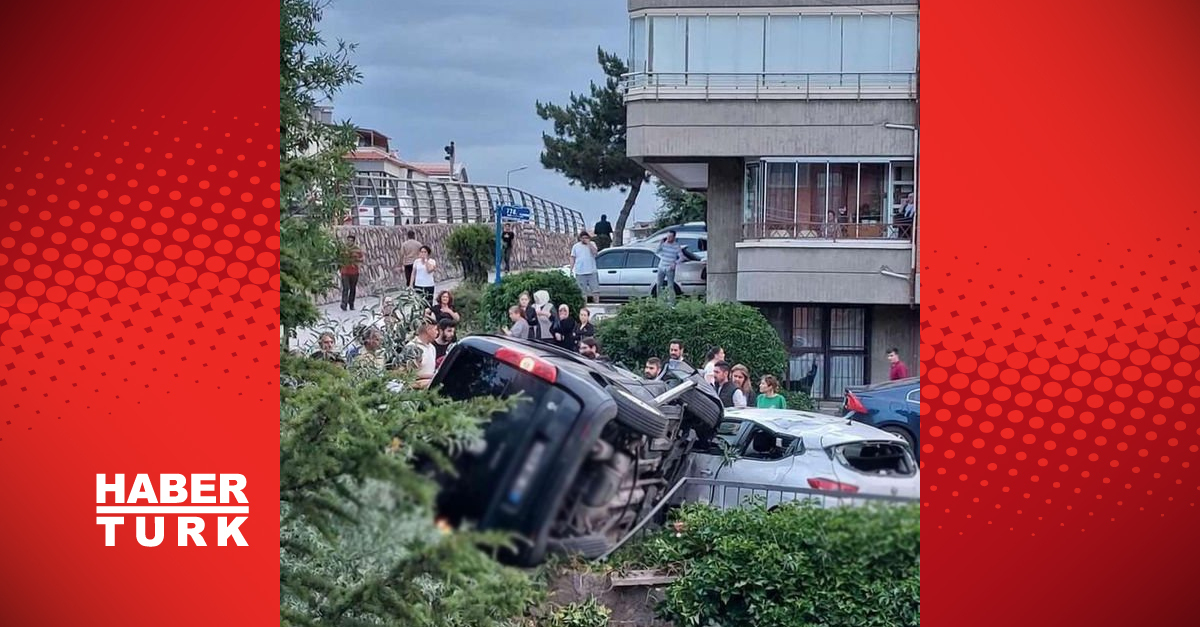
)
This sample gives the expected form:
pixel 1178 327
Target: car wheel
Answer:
pixel 703 408
pixel 587 547
pixel 637 414
pixel 902 432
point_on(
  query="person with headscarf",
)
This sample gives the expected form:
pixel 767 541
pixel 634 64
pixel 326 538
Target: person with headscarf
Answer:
pixel 565 329
pixel 545 314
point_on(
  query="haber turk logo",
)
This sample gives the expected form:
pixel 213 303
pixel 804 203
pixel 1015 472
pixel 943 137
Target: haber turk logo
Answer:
pixel 191 500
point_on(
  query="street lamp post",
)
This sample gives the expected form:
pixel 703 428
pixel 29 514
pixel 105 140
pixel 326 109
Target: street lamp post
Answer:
pixel 500 219
pixel 912 277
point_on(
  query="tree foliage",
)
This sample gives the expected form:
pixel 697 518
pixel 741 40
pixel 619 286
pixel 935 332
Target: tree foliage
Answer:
pixel 588 144
pixel 311 166
pixel 472 246
pixel 358 542
pixel 678 206
pixel 561 286
pixel 644 328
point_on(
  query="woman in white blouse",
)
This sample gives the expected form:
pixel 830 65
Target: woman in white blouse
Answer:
pixel 422 276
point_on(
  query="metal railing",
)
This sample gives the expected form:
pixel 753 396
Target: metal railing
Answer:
pixel 732 494
pixel 896 231
pixel 383 200
pixel 786 85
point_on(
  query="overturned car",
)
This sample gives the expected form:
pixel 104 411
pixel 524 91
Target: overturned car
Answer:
pixel 587 452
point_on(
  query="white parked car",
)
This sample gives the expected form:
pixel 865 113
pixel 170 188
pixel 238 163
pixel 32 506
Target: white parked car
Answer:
pixel 787 449
pixel 693 235
pixel 629 272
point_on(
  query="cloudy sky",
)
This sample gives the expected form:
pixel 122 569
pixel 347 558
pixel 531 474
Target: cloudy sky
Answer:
pixel 471 71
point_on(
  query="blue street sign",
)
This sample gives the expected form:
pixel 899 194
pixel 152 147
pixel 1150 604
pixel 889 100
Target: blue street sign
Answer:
pixel 510 213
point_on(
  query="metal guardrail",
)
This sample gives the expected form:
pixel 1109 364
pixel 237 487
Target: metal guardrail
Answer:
pixel 743 494
pixel 379 200
pixel 827 230
pixel 800 85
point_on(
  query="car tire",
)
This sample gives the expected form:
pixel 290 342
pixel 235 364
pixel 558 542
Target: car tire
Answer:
pixel 587 547
pixel 903 433
pixel 638 414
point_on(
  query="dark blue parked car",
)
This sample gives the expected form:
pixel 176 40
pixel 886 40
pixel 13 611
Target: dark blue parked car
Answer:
pixel 894 406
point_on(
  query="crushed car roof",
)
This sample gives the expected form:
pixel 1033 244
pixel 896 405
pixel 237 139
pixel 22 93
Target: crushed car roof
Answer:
pixel 816 429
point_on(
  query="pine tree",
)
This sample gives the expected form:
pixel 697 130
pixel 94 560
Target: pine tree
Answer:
pixel 358 542
pixel 678 207
pixel 588 145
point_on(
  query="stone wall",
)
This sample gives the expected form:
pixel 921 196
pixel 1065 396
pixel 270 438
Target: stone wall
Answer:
pixel 533 248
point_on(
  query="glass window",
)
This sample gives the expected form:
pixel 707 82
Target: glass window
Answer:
pixel 865 43
pixel 750 210
pixel 637 45
pixel 806 327
pixel 667 44
pixel 847 328
pixel 780 200
pixel 610 260
pixel 722 39
pixel 843 193
pixel 783 43
pixel 750 43
pixel 641 259
pixel 697 44
pixel 872 192
pixel 817 44
pixel 810 195
pixel 904 43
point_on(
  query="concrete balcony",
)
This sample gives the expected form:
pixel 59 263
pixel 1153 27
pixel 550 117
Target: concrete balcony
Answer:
pixel 870 271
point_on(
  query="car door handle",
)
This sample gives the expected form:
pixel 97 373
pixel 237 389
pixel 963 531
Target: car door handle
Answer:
pixel 610 271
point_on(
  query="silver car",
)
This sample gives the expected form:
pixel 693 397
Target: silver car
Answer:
pixel 778 450
pixel 629 272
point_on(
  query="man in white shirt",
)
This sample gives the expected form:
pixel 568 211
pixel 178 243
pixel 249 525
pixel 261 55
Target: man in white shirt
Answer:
pixel 583 265
pixel 424 354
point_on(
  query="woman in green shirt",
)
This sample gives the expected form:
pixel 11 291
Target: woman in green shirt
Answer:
pixel 770 397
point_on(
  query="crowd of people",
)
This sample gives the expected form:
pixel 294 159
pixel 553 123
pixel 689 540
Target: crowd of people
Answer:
pixel 533 317
pixel 733 383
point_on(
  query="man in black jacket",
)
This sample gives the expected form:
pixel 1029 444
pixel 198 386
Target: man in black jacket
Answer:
pixel 725 386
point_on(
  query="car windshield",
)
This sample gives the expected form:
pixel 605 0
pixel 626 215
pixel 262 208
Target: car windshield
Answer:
pixel 473 374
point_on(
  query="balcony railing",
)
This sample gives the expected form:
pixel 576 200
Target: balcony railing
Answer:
pixel 897 231
pixel 770 85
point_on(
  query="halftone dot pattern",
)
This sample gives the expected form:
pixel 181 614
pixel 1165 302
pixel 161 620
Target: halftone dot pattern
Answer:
pixel 1039 416
pixel 125 273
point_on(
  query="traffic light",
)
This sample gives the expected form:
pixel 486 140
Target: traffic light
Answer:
pixel 450 152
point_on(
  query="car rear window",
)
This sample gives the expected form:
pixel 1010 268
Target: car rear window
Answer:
pixel 876 458
pixel 473 374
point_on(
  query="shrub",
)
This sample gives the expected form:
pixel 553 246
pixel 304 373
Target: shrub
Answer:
pixel 590 613
pixel 468 298
pixel 797 565
pixel 474 248
pixel 798 400
pixel 644 328
pixel 498 298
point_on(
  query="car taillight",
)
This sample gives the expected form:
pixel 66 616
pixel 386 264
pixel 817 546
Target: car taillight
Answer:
pixel 829 485
pixel 853 404
pixel 529 363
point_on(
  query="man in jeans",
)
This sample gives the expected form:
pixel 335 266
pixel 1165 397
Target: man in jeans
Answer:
pixel 583 264
pixel 670 254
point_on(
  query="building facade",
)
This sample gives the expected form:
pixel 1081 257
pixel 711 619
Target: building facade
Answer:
pixel 798 120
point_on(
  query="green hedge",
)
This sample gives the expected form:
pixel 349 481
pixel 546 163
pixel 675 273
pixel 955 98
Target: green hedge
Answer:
pixel 799 565
pixel 497 299
pixel 474 248
pixel 644 328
